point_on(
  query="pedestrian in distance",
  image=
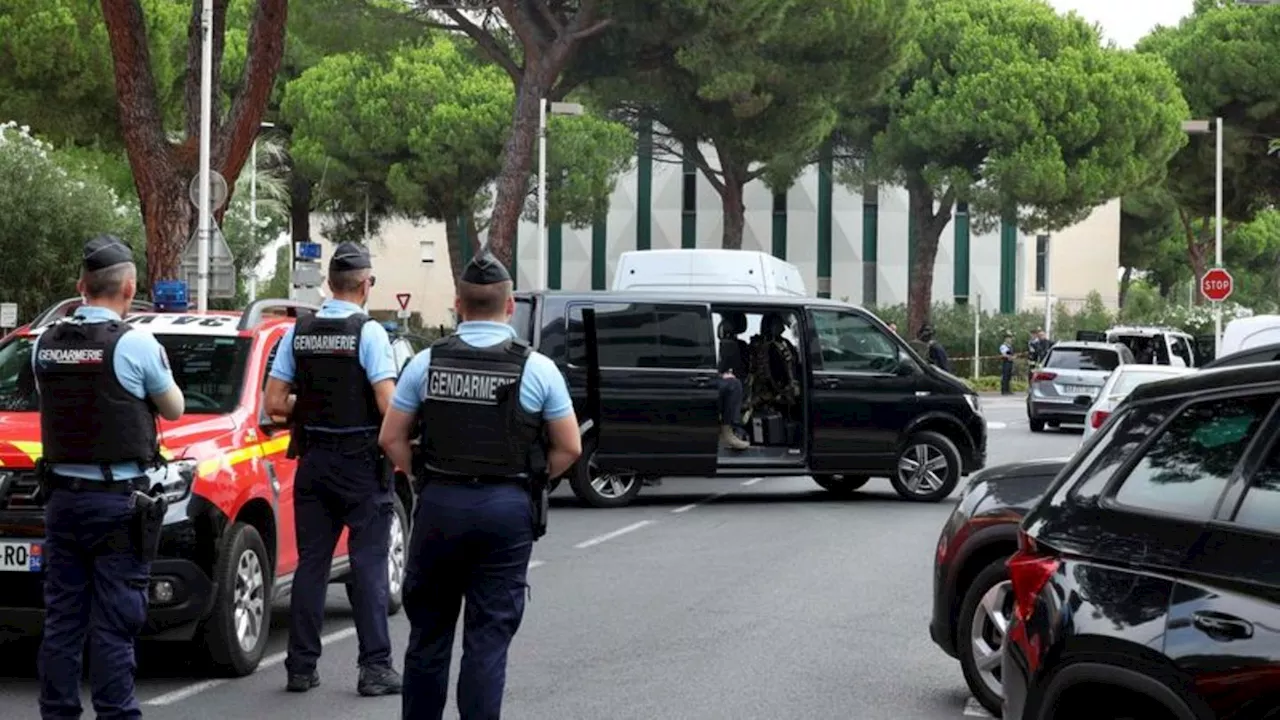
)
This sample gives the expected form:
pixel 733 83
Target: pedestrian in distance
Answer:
pixel 339 366
pixel 1006 364
pixel 496 423
pixel 101 383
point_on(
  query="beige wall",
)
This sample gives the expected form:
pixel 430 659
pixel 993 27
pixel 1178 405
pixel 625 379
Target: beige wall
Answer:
pixel 1083 258
pixel 408 257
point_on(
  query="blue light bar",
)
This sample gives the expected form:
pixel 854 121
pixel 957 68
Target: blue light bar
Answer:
pixel 169 296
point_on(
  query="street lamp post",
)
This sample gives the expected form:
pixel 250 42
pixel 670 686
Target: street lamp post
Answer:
pixel 1202 127
pixel 554 108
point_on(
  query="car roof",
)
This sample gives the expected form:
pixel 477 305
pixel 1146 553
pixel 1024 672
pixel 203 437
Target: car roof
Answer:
pixel 255 318
pixel 1209 380
pixel 690 296
pixel 1145 330
pixel 1085 345
pixel 1130 368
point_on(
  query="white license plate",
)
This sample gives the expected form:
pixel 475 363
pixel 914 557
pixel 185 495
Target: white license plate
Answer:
pixel 1079 390
pixel 20 557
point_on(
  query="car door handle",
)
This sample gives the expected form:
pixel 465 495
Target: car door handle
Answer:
pixel 1222 627
pixel 700 380
pixel 828 382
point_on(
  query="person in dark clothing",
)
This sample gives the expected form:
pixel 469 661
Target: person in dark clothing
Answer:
pixel 936 354
pixel 1006 365
pixel 733 370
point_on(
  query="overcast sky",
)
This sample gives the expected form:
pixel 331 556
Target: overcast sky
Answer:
pixel 1126 21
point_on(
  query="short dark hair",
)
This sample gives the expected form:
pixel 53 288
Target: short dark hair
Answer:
pixel 109 281
pixel 348 281
pixel 483 300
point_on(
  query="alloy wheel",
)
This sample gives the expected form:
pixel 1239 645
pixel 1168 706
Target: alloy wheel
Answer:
pixel 923 469
pixel 396 556
pixel 250 600
pixel 986 636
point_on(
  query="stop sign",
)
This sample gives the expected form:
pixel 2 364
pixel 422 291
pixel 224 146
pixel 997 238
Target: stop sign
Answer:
pixel 1217 285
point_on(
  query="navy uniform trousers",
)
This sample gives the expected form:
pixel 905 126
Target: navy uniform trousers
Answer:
pixel 337 484
pixel 472 542
pixel 95 588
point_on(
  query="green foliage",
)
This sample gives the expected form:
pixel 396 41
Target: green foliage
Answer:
pixel 278 285
pixel 49 207
pixel 428 124
pixel 56 68
pixel 1007 104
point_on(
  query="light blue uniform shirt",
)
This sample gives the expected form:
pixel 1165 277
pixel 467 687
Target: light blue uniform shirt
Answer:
pixel 376 356
pixel 543 391
pixel 141 367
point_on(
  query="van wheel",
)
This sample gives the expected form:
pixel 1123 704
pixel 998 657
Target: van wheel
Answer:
pixel 928 468
pixel 604 489
pixel 397 556
pixel 236 633
pixel 1036 425
pixel 841 484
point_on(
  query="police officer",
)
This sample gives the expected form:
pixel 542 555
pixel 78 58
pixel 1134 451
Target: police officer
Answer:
pixel 99 380
pixel 482 400
pixel 338 362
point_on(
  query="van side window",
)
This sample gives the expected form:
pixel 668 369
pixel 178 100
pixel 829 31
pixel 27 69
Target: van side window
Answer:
pixel 851 343
pixel 643 335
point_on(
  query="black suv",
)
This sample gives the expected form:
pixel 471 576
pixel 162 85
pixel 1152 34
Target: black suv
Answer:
pixel 861 403
pixel 1147 582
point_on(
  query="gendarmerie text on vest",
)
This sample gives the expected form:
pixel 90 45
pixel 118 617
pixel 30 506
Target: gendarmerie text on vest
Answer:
pixel 473 386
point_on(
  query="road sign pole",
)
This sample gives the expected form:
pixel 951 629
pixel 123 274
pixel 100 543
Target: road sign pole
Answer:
pixel 206 124
pixel 1217 237
pixel 403 299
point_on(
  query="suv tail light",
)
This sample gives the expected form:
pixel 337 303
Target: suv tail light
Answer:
pixel 1098 417
pixel 1029 569
pixel 1043 375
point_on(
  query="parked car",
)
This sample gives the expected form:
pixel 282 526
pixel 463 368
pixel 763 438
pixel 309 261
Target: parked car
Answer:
pixel 1258 354
pixel 831 393
pixel 1152 345
pixel 1071 370
pixel 1119 384
pixel 227 547
pixel 1145 584
pixel 972 598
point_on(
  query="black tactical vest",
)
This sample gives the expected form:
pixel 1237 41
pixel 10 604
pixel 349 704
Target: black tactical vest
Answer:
pixel 471 418
pixel 86 415
pixel 332 387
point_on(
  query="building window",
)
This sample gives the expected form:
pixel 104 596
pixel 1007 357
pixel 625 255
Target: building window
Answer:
pixel 427 250
pixel 1042 262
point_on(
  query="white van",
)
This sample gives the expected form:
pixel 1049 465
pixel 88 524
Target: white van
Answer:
pixel 1250 332
pixel 736 272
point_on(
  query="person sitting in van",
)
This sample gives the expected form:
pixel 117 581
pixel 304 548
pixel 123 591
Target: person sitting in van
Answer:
pixel 774 366
pixel 733 373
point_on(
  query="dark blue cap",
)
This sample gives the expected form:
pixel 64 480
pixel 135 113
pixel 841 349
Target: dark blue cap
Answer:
pixel 350 256
pixel 485 269
pixel 106 251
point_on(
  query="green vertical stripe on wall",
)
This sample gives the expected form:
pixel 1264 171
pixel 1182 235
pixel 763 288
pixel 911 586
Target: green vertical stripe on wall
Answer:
pixel 644 187
pixel 555 255
pixel 599 252
pixel 688 219
pixel 1008 264
pixel 824 221
pixel 780 229
pixel 870 242
pixel 961 262
pixel 464 239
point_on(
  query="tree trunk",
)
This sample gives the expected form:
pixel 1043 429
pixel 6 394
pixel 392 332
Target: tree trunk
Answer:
pixel 1125 279
pixel 453 241
pixel 735 219
pixel 1196 251
pixel 929 225
pixel 517 162
pixel 300 189
pixel 169 218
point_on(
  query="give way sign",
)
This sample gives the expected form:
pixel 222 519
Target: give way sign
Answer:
pixel 403 299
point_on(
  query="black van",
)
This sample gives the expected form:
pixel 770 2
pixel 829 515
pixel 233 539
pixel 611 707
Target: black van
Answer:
pixel 864 403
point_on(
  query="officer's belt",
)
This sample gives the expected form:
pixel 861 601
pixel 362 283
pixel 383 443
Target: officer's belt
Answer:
pixel 350 440
pixel 115 487
pixel 476 480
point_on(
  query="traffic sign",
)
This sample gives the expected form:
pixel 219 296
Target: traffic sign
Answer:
pixel 307 251
pixel 8 315
pixel 1217 285
pixel 403 299
pixel 404 314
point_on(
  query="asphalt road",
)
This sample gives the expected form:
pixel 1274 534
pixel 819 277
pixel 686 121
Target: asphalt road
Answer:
pixel 706 599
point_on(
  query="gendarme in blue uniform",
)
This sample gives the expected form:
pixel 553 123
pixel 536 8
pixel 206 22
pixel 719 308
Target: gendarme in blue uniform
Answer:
pixel 472 537
pixel 94 374
pixel 332 360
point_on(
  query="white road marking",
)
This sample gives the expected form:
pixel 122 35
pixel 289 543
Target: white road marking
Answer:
pixel 269 661
pixel 703 501
pixel 536 563
pixel 609 536
pixel 995 425
pixel 973 708
pixel 752 481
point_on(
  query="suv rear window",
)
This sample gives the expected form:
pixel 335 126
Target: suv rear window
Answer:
pixel 1083 359
pixel 208 368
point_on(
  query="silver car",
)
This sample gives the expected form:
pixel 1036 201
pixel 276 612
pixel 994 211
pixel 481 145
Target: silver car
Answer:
pixel 1072 375
pixel 1122 382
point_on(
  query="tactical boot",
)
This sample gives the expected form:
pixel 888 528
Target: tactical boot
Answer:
pixel 730 440
pixel 378 680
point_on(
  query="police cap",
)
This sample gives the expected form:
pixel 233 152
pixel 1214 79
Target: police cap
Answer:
pixel 485 269
pixel 106 251
pixel 350 256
